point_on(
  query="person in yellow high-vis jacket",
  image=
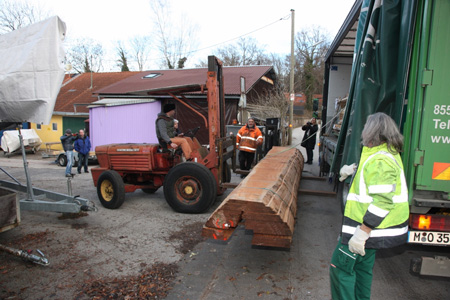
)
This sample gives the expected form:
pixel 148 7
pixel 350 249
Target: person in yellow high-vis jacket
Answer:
pixel 376 212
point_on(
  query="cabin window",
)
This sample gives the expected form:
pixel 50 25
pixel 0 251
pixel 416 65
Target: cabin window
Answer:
pixel 55 126
pixel 152 75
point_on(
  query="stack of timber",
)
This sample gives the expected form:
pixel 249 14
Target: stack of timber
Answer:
pixel 266 200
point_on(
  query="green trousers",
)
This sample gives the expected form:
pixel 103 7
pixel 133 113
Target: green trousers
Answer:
pixel 351 274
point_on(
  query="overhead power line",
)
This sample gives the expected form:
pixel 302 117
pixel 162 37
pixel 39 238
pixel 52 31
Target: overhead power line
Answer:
pixel 238 37
pixel 224 42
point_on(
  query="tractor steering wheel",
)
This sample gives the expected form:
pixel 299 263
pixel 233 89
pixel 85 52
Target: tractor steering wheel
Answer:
pixel 191 132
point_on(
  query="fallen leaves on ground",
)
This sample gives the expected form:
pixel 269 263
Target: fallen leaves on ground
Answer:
pixel 78 215
pixel 189 236
pixel 153 283
pixel 32 238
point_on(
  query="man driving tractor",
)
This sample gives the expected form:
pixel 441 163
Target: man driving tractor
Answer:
pixel 165 131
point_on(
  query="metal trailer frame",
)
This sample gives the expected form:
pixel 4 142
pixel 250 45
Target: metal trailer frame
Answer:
pixel 35 199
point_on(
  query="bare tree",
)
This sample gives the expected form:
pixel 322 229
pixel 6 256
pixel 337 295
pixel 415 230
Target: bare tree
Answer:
pixel 140 46
pixel 85 55
pixel 245 52
pixel 281 66
pixel 311 47
pixel 176 40
pixel 18 14
pixel 122 62
pixel 230 56
pixel 272 103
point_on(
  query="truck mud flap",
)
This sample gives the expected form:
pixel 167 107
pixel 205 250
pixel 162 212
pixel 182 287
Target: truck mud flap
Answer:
pixel 431 266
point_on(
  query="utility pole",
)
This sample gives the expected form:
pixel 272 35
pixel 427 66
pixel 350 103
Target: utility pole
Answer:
pixel 291 88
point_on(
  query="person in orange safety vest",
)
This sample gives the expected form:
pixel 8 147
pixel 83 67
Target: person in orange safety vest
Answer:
pixel 248 139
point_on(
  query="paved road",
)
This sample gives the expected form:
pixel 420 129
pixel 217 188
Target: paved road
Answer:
pixel 236 270
pixel 117 243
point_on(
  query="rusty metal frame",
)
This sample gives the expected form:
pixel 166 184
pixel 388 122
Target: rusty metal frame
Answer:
pixel 223 144
pixel 189 107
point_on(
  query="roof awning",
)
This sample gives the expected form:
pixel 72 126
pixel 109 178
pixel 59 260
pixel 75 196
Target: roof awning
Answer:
pixel 119 101
pixel 180 89
pixel 343 44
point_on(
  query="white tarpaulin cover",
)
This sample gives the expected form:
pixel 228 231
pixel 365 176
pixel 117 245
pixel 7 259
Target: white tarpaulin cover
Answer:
pixel 11 142
pixel 31 71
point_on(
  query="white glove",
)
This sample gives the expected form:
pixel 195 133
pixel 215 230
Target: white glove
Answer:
pixel 358 241
pixel 347 171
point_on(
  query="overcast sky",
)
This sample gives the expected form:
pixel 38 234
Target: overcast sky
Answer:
pixel 108 21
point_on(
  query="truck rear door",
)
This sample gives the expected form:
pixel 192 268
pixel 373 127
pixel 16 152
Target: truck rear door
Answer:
pixel 433 172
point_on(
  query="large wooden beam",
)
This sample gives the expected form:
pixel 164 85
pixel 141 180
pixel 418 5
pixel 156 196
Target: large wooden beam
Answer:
pixel 266 200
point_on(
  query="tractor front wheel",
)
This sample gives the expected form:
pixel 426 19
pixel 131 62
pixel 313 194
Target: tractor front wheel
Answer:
pixel 190 188
pixel 110 189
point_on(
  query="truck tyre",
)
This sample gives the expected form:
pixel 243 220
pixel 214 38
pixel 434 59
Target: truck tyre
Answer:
pixel 110 189
pixel 62 160
pixel 343 189
pixel 150 190
pixel 190 188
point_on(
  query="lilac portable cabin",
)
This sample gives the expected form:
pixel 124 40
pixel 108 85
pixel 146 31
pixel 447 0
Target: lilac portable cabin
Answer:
pixel 123 121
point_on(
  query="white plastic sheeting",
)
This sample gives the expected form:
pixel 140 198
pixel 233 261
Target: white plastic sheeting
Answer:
pixel 31 71
pixel 10 140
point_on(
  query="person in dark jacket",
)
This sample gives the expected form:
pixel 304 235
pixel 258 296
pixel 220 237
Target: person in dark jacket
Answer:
pixel 165 131
pixel 82 146
pixel 67 142
pixel 309 138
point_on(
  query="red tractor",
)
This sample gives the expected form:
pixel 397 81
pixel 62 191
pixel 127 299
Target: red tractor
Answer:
pixel 189 187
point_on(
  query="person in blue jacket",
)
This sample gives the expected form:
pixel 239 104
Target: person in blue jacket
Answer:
pixel 82 146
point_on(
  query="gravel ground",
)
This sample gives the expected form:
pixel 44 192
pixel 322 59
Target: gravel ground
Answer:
pixel 128 253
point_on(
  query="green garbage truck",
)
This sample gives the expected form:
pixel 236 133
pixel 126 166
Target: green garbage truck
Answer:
pixel 392 57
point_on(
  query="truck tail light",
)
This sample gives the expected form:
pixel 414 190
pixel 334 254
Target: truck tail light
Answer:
pixel 430 222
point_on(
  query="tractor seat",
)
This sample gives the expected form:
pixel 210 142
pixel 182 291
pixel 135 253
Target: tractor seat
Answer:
pixel 163 147
pixel 166 148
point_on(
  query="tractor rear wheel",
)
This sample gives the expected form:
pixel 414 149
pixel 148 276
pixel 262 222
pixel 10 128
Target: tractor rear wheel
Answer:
pixel 110 189
pixel 190 188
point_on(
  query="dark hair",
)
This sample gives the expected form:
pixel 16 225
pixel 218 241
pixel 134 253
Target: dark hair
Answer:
pixel 168 107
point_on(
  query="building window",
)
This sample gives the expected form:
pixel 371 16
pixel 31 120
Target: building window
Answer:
pixel 152 75
pixel 55 126
pixel 38 126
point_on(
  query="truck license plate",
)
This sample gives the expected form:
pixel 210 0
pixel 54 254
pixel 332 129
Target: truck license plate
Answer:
pixel 429 237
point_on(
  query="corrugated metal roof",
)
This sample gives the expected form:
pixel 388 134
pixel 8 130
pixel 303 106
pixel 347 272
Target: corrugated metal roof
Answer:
pixel 76 90
pixel 120 101
pixel 138 83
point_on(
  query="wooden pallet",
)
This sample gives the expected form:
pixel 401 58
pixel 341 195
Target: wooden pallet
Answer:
pixel 265 201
